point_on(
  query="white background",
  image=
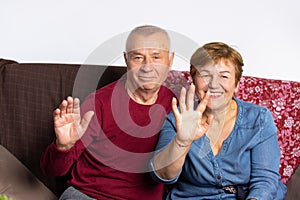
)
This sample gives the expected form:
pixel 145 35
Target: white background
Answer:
pixel 265 32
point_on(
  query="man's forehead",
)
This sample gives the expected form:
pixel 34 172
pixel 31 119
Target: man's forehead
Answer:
pixel 153 50
pixel 155 41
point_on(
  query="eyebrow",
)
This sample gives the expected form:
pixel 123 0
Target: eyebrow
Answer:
pixel 222 72
pixel 133 53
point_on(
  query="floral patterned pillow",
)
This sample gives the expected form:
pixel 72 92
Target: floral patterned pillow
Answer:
pixel 281 97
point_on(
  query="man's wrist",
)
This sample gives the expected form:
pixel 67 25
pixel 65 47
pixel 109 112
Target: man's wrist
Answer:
pixel 62 147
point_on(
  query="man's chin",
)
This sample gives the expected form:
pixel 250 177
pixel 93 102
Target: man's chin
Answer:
pixel 150 86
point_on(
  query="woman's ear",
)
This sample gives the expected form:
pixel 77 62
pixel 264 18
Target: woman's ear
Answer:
pixel 237 88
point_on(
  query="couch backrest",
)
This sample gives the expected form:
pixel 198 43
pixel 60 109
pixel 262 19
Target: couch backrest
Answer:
pixel 29 94
pixel 31 91
pixel 282 98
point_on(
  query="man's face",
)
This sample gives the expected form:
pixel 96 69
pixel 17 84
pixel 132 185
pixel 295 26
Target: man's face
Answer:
pixel 148 61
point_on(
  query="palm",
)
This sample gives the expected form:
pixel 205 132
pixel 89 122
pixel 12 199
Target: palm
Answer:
pixel 190 123
pixel 67 128
pixel 189 126
pixel 68 124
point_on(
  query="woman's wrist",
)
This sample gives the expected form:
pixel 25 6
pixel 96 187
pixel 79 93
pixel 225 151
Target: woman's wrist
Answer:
pixel 181 144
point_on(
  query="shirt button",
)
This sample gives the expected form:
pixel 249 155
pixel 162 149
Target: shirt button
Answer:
pixel 218 177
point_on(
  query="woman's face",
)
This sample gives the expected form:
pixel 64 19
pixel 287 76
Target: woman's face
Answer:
pixel 219 79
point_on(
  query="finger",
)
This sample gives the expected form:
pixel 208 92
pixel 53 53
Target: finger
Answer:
pixel 202 94
pixel 182 97
pixel 208 122
pixel 86 120
pixel 176 112
pixel 202 105
pixel 174 107
pixel 69 108
pixel 76 107
pixel 63 107
pixel 209 119
pixel 190 97
pixel 56 114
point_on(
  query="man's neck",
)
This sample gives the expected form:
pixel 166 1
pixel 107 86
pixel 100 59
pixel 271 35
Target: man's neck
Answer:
pixel 142 96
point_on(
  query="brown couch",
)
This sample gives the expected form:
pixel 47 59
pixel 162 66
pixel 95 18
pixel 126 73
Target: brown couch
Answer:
pixel 29 94
pixel 31 91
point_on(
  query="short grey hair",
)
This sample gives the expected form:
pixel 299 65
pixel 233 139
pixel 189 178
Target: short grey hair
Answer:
pixel 147 30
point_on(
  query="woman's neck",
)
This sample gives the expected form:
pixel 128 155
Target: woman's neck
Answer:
pixel 221 116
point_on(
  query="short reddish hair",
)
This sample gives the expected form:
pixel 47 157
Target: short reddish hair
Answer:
pixel 215 52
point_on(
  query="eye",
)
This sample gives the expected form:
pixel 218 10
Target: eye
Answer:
pixel 225 77
pixel 137 58
pixel 156 57
pixel 204 75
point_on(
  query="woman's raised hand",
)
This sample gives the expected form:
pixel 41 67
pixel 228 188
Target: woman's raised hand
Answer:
pixel 190 122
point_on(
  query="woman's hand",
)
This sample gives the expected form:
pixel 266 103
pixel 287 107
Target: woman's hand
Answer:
pixel 190 122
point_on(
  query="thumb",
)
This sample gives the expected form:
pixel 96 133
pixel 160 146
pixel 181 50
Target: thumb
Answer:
pixel 86 120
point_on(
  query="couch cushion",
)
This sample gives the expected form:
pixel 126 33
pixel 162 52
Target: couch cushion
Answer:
pixel 17 182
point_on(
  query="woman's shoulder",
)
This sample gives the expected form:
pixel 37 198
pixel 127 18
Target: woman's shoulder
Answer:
pixel 253 113
pixel 245 106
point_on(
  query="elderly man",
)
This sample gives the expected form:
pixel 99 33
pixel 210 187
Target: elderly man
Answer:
pixel 106 143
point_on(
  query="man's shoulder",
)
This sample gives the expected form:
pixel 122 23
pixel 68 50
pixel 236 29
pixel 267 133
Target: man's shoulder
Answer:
pixel 165 91
pixel 107 90
pixel 102 94
pixel 109 87
pixel 165 96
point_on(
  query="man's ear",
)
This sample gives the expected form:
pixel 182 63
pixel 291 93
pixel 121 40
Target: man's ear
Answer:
pixel 125 58
pixel 171 58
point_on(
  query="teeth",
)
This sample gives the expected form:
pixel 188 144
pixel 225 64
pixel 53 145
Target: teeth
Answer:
pixel 215 94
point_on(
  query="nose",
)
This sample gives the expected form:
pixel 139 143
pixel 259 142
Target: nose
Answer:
pixel 214 82
pixel 147 64
pixel 146 67
pixel 148 60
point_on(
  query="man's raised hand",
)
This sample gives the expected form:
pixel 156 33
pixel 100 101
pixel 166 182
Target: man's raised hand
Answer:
pixel 68 124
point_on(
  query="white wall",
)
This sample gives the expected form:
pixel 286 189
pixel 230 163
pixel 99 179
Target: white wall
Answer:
pixel 265 32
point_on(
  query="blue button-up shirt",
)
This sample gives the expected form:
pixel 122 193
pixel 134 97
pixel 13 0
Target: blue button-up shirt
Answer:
pixel 250 156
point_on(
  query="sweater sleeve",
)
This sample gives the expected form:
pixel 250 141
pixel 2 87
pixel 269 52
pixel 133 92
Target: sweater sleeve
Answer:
pixel 56 162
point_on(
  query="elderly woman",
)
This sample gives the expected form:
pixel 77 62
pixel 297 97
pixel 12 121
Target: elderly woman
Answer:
pixel 218 147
